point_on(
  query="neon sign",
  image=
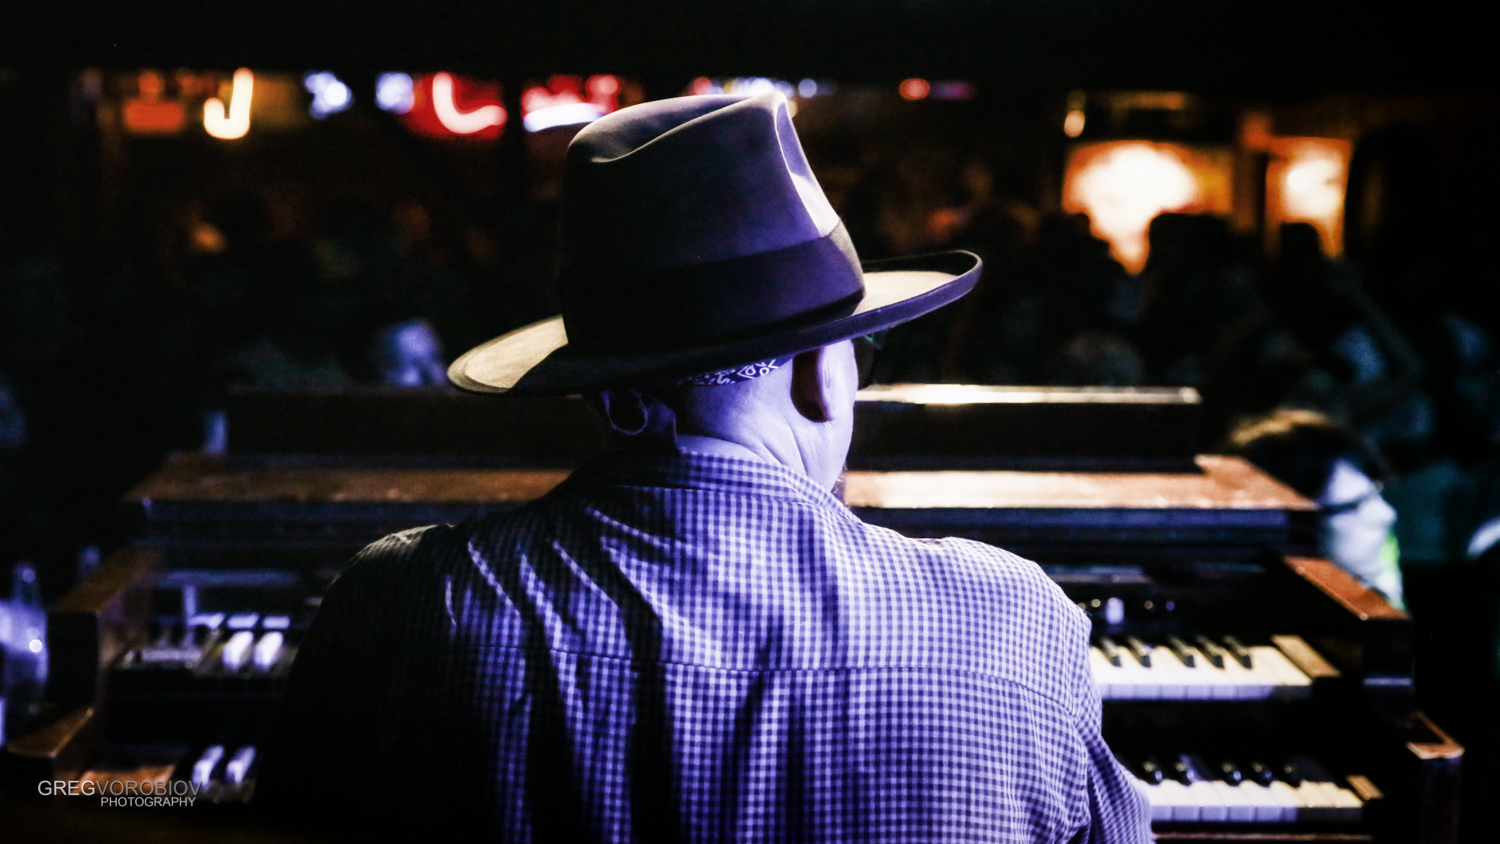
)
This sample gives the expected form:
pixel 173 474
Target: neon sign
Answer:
pixel 233 122
pixel 457 121
pixel 561 103
pixel 150 114
pixel 444 105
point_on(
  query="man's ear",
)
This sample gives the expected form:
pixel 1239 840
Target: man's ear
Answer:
pixel 810 387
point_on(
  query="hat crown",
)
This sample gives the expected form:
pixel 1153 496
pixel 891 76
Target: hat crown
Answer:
pixel 694 221
pixel 690 181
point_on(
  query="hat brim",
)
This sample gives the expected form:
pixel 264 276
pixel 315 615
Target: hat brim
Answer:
pixel 537 360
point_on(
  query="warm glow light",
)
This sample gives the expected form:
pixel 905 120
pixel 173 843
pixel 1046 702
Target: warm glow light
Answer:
pixel 915 89
pixel 1305 184
pixel 236 122
pixel 1123 185
pixel 1073 123
pixel 462 122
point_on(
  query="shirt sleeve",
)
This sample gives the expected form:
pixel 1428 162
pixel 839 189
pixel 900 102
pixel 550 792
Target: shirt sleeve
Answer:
pixel 1116 807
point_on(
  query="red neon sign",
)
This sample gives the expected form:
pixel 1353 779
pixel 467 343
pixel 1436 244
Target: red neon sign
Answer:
pixel 602 92
pixel 445 105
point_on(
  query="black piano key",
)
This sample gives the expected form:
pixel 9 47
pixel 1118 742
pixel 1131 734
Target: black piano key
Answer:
pixel 1230 772
pixel 200 634
pixel 1240 653
pixel 1261 772
pixel 153 631
pixel 1182 650
pixel 1290 775
pixel 1141 650
pixel 1150 771
pixel 1183 771
pixel 1211 650
pixel 1110 650
pixel 176 633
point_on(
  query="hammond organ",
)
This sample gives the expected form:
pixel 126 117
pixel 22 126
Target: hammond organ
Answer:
pixel 1257 694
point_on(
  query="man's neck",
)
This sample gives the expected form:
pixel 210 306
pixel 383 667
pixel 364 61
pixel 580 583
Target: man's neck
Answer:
pixel 697 444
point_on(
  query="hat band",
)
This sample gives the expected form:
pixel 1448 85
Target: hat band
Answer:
pixel 685 307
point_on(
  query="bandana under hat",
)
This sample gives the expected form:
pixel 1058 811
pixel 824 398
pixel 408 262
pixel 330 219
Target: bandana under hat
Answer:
pixel 736 374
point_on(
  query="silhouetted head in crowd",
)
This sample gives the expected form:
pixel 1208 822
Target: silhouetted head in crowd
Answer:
pixel 1300 447
pixel 1334 466
pixel 1300 288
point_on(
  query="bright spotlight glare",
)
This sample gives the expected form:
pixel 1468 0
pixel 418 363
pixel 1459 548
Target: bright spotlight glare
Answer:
pixel 330 96
pixel 394 92
pixel 1124 187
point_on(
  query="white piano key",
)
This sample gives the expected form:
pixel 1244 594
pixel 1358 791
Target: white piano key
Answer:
pixel 1238 803
pixel 1292 803
pixel 1180 800
pixel 1270 806
pixel 1290 682
pixel 239 766
pixel 267 649
pixel 1106 676
pixel 1222 683
pixel 237 649
pixel 203 769
pixel 1161 808
pixel 1142 681
pixel 1347 806
pixel 1171 676
pixel 1316 804
pixel 1257 682
pixel 1211 805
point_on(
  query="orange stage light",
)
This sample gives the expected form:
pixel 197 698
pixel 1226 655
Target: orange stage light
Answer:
pixel 1123 185
pixel 1305 183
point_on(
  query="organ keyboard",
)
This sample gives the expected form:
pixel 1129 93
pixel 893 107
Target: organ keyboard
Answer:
pixel 1188 788
pixel 1252 692
pixel 1203 670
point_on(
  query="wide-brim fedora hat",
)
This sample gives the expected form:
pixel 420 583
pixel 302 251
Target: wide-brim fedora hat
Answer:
pixel 696 238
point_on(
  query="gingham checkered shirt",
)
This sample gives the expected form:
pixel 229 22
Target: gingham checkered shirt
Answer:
pixel 697 648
